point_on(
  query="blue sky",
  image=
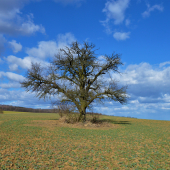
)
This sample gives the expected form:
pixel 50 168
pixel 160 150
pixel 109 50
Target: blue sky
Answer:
pixel 34 31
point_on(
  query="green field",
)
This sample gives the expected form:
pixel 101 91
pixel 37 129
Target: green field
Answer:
pixel 130 144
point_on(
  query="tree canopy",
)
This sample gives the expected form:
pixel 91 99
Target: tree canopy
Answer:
pixel 78 76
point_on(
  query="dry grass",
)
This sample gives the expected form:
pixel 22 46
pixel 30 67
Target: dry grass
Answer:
pixel 61 123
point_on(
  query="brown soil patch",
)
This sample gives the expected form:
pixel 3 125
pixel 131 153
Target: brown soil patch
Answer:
pixel 60 123
pixel 0 122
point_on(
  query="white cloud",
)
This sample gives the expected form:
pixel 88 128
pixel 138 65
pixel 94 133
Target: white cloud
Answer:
pixel 16 47
pixel 25 63
pixel 50 48
pixel 65 39
pixel 14 62
pixel 22 98
pixel 29 27
pixel 13 67
pixel 9 7
pixel 12 76
pixel 45 49
pixel 12 23
pixel 10 85
pixel 146 75
pixel 121 35
pixel 150 9
pixel 148 88
pixel 145 83
pixel 164 63
pixel 115 10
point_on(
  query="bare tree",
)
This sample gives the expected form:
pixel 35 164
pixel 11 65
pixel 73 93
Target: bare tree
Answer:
pixel 78 76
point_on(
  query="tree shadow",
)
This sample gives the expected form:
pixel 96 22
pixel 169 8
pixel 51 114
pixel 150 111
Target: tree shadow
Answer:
pixel 54 119
pixel 116 122
pixel 107 121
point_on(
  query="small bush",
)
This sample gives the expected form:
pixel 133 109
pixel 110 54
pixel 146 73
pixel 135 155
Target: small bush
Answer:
pixel 63 110
pixel 71 117
pixel 67 113
pixel 94 117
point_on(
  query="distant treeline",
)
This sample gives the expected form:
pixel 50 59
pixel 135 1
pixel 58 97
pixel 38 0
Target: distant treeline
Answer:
pixel 24 109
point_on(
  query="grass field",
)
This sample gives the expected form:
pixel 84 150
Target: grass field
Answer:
pixel 34 141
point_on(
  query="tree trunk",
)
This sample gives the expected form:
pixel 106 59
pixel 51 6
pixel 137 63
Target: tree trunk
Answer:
pixel 82 116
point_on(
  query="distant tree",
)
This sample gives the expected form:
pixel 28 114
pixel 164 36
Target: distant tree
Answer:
pixel 77 75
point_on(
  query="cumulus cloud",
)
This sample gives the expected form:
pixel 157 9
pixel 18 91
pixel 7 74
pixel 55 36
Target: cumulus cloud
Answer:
pixel 14 62
pixel 10 85
pixel 65 40
pixel 45 49
pixel 12 76
pixel 148 88
pixel 25 63
pixel 115 10
pixel 121 35
pixel 28 27
pixel 22 98
pixel 151 9
pixel 8 6
pixel 164 63
pixel 147 83
pixel 11 21
pixel 145 74
pixel 50 48
pixel 16 47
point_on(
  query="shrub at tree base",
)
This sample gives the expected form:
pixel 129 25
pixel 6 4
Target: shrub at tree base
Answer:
pixel 68 114
pixel 69 118
pixel 73 118
pixel 94 118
